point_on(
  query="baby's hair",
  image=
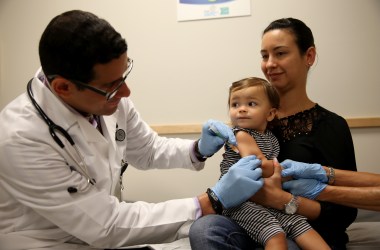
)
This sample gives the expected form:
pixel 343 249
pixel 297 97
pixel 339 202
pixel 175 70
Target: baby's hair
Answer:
pixel 271 92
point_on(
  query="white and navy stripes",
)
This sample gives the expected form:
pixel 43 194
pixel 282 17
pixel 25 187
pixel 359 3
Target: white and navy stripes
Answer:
pixel 267 143
pixel 259 222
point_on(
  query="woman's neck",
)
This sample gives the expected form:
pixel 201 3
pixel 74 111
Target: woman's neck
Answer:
pixel 292 102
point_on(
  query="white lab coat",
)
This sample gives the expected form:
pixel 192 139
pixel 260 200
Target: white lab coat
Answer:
pixel 37 211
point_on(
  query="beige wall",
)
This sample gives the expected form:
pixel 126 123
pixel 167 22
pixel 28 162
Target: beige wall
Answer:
pixel 183 69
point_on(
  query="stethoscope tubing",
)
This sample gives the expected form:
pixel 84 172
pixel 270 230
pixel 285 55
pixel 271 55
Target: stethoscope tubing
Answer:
pixel 79 160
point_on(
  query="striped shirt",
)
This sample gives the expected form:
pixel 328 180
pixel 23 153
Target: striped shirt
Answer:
pixel 259 222
pixel 266 141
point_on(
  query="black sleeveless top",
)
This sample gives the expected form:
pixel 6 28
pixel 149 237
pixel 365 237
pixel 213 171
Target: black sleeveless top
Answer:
pixel 320 136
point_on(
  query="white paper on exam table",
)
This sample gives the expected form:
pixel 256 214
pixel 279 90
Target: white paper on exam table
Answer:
pixel 182 244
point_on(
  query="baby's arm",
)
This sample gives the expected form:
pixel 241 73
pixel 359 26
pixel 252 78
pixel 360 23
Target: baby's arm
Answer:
pixel 247 146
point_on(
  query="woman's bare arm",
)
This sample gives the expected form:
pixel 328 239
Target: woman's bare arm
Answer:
pixel 355 179
pixel 355 189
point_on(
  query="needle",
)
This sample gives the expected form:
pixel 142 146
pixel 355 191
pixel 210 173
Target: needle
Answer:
pixel 214 130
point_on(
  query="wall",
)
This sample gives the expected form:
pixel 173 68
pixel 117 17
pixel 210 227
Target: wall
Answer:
pixel 183 69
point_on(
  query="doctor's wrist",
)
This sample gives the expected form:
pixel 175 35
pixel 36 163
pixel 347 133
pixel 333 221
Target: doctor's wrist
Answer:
pixel 205 204
pixel 197 154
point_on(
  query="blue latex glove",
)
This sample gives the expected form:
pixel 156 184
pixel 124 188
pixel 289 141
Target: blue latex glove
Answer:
pixel 240 183
pixel 211 142
pixel 308 188
pixel 300 170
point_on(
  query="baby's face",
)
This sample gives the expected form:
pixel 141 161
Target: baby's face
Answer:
pixel 250 108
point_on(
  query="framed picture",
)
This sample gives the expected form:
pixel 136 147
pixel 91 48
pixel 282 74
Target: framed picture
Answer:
pixel 208 9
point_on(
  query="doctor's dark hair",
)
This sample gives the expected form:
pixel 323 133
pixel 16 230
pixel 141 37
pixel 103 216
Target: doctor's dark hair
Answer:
pixel 75 41
pixel 271 92
pixel 302 33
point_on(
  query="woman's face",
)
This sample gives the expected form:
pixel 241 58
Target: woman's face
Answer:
pixel 282 63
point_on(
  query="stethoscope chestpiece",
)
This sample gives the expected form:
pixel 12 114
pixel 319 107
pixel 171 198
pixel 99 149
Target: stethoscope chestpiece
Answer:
pixel 120 134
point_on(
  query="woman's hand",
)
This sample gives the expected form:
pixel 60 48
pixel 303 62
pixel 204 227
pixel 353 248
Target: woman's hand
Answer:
pixel 301 170
pixel 271 194
pixel 308 188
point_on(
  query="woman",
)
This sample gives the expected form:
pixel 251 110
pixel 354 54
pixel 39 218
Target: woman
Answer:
pixel 307 132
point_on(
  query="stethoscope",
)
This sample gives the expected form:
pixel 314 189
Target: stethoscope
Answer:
pixel 72 151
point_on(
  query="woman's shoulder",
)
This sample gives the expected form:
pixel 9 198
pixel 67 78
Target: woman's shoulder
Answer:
pixel 332 122
pixel 328 115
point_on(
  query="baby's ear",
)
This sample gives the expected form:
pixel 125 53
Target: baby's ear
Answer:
pixel 272 114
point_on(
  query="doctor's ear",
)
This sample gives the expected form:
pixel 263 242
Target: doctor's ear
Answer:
pixel 61 86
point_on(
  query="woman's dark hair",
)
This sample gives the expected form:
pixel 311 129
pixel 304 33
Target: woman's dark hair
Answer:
pixel 302 33
pixel 75 41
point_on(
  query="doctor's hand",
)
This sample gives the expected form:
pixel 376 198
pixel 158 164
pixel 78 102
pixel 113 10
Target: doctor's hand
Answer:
pixel 300 170
pixel 308 188
pixel 241 181
pixel 214 135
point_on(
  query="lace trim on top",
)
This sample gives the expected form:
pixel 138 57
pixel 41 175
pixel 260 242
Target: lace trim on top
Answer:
pixel 299 124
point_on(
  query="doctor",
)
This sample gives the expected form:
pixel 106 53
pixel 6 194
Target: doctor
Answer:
pixel 65 143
